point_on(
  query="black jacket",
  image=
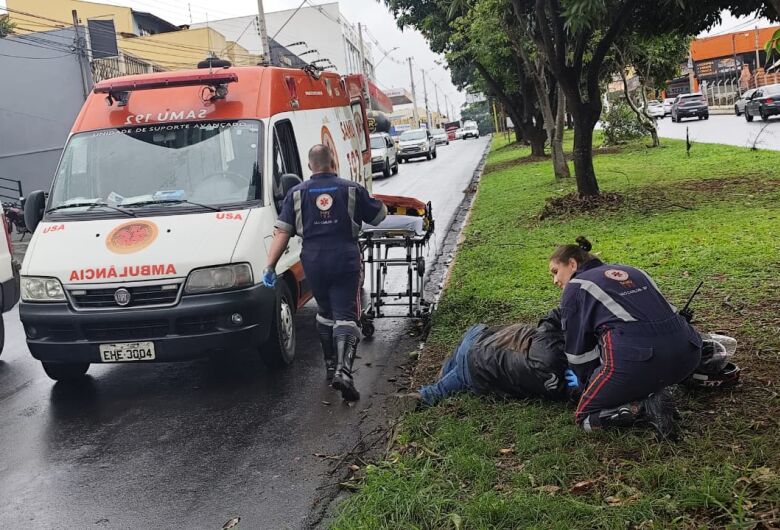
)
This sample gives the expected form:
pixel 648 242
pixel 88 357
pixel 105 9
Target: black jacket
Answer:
pixel 520 360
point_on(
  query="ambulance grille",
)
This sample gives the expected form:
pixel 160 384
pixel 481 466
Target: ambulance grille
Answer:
pixel 140 296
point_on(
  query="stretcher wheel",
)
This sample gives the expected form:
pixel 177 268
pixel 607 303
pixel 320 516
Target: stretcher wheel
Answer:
pixel 420 267
pixel 367 326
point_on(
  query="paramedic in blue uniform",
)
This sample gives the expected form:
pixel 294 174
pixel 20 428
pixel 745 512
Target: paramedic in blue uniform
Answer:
pixel 327 212
pixel 625 343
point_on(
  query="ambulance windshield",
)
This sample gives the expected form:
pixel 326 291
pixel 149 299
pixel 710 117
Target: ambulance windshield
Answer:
pixel 169 165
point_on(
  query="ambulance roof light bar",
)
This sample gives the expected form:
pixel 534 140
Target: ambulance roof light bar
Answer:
pixel 119 90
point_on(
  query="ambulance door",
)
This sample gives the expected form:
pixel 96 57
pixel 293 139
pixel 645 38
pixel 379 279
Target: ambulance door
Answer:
pixel 285 158
pixel 362 155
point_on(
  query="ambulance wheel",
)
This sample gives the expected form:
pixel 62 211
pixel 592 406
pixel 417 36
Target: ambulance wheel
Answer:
pixel 367 327
pixel 65 371
pixel 279 349
pixel 386 169
pixel 395 167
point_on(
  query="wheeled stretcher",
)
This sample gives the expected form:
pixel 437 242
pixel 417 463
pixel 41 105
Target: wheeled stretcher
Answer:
pixel 398 241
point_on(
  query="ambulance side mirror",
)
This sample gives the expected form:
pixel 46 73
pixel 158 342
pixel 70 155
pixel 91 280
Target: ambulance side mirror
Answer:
pixel 33 209
pixel 289 181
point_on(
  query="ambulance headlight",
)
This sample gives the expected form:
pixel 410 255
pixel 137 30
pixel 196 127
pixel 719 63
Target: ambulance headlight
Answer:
pixel 222 278
pixel 36 289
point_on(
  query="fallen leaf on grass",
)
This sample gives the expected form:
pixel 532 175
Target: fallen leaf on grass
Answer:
pixel 552 490
pixel 763 474
pixel 506 451
pixel 614 501
pixel 354 467
pixel 582 486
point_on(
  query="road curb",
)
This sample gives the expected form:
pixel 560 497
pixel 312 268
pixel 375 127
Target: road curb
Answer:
pixel 443 260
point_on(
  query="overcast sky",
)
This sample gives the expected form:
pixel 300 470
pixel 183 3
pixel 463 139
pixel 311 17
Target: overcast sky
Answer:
pixel 393 71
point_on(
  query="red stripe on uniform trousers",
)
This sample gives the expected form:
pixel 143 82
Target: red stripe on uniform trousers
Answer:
pixel 609 366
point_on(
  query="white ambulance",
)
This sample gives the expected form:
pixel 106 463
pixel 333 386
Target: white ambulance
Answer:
pixel 151 243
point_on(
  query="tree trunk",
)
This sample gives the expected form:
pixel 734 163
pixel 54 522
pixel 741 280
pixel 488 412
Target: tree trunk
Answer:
pixel 583 155
pixel 644 119
pixel 654 136
pixel 537 138
pixel 556 143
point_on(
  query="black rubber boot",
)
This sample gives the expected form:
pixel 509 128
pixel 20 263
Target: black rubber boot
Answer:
pixel 622 416
pixel 659 411
pixel 346 350
pixel 328 353
pixel 656 410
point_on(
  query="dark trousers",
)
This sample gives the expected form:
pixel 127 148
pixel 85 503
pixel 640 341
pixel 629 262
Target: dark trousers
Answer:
pixel 637 359
pixel 335 276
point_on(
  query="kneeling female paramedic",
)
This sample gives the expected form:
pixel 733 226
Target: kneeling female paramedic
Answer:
pixel 625 343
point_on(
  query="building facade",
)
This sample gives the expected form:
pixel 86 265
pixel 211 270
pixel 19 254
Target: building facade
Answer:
pixel 319 33
pixel 114 30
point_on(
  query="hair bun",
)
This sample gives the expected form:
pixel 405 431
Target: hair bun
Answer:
pixel 584 244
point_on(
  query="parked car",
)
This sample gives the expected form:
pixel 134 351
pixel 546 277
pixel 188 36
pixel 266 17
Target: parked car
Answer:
pixel 440 135
pixel 384 154
pixel 690 106
pixel 459 134
pixel 668 102
pixel 655 109
pixel 417 143
pixel 739 105
pixel 764 103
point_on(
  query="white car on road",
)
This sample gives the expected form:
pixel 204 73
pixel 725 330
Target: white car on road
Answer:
pixel 668 102
pixel 384 154
pixel 655 109
pixel 739 105
pixel 416 143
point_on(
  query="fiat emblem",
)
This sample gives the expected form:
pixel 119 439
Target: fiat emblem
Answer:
pixel 122 297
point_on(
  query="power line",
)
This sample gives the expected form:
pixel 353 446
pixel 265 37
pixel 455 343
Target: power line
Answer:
pixel 155 44
pixel 288 20
pixel 26 57
pixel 162 48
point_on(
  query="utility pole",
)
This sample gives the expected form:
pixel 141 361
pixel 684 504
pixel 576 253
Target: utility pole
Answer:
pixel 363 67
pixel 81 55
pixel 263 31
pixel 425 93
pixel 447 107
pixel 758 59
pixel 690 71
pixel 438 109
pixel 414 97
pixel 736 66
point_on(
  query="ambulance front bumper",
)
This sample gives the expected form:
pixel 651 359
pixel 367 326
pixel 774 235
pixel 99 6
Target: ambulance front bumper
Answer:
pixel 198 326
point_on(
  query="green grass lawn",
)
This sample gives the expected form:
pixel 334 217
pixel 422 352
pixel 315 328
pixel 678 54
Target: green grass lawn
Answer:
pixel 480 463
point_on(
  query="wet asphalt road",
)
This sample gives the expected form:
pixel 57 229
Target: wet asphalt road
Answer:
pixel 191 445
pixel 725 129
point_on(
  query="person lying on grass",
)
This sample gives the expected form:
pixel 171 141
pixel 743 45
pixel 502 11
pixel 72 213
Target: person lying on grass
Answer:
pixel 624 342
pixel 516 360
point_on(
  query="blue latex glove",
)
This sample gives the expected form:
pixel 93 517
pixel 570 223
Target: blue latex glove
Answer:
pixel 572 381
pixel 269 277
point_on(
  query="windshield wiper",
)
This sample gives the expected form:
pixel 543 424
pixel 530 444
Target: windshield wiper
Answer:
pixel 172 201
pixel 89 206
